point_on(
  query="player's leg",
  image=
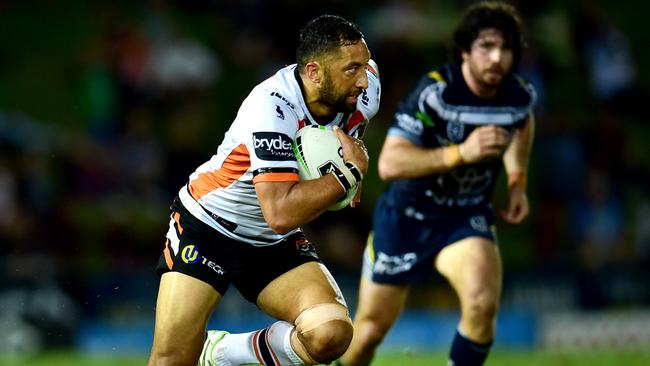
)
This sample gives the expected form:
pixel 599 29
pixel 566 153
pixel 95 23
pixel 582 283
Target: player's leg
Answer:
pixel 473 268
pixel 309 298
pixel 378 308
pixel 183 307
pixel 190 288
pixel 314 325
pixel 291 285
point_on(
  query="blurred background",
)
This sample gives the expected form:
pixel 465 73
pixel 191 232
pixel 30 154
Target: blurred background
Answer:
pixel 106 107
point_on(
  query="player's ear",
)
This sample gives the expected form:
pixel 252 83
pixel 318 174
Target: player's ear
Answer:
pixel 464 55
pixel 312 70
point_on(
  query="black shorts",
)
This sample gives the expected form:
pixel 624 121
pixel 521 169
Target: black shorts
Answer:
pixel 403 243
pixel 197 250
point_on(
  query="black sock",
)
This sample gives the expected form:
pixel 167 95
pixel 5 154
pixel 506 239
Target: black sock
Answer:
pixel 467 353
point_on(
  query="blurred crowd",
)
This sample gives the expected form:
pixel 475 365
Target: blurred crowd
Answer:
pixel 106 108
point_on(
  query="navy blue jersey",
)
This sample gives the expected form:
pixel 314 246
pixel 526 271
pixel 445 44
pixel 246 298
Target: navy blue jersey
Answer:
pixel 441 110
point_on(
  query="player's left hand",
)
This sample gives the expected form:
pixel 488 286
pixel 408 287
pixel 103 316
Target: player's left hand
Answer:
pixel 357 196
pixel 518 207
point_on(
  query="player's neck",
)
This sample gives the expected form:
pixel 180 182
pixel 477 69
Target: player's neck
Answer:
pixel 311 95
pixel 476 87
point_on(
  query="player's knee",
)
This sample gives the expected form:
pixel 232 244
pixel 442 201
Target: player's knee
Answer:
pixel 371 333
pixel 325 331
pixel 483 305
pixel 328 341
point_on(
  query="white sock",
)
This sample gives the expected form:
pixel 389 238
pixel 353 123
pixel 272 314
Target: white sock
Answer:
pixel 269 346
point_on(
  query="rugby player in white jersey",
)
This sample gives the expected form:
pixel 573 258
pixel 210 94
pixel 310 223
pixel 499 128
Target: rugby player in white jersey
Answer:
pixel 237 221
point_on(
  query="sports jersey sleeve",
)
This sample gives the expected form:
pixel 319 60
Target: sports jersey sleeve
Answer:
pixel 373 93
pixel 412 119
pixel 271 127
pixel 367 106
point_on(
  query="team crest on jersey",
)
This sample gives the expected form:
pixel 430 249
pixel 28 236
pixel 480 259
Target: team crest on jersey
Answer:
pixel 455 131
pixel 273 146
pixel 279 111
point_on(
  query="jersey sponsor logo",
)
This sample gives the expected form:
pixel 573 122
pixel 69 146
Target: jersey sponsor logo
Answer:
pixel 394 264
pixel 462 186
pixel 365 100
pixel 273 146
pixel 190 254
pixel 409 124
pixel 279 96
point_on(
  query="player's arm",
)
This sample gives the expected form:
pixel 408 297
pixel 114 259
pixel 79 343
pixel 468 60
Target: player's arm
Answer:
pixel 515 161
pixel 289 205
pixel 402 159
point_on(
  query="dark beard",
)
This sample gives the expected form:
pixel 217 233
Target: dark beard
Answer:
pixel 336 102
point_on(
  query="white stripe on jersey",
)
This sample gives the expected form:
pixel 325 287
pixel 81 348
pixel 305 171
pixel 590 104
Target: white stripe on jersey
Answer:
pixel 221 192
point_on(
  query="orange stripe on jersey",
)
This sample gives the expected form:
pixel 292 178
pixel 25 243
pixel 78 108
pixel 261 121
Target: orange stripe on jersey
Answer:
pixel 277 177
pixel 168 255
pixel 232 169
pixel 177 218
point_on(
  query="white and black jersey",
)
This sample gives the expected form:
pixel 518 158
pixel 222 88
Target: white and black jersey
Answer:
pixel 258 148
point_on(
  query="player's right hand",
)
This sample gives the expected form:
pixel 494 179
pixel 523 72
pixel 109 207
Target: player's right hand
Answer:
pixel 484 142
pixel 353 150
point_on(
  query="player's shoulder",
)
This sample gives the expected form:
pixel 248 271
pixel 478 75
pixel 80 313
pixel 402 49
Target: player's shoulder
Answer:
pixel 271 105
pixel 518 89
pixel 280 89
pixel 430 80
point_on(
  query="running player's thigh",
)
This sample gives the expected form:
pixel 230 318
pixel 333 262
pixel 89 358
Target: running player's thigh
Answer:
pixel 471 264
pixel 292 292
pixel 380 303
pixel 182 310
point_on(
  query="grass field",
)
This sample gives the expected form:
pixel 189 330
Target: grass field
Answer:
pixel 497 358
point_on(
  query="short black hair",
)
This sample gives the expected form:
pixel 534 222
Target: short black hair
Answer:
pixel 488 14
pixel 323 35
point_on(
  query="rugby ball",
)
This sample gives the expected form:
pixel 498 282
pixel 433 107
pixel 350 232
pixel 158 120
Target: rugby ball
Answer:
pixel 318 151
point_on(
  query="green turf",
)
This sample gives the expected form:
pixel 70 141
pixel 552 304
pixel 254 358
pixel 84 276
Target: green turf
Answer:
pixel 532 358
pixel 497 358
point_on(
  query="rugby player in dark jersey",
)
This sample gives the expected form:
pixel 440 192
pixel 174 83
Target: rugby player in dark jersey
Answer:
pixel 451 137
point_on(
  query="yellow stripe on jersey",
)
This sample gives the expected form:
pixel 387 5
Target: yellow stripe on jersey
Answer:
pixel 436 76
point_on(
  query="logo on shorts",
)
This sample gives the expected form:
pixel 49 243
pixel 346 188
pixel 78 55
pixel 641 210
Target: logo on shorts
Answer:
pixel 190 254
pixel 479 223
pixel 304 247
pixel 394 264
